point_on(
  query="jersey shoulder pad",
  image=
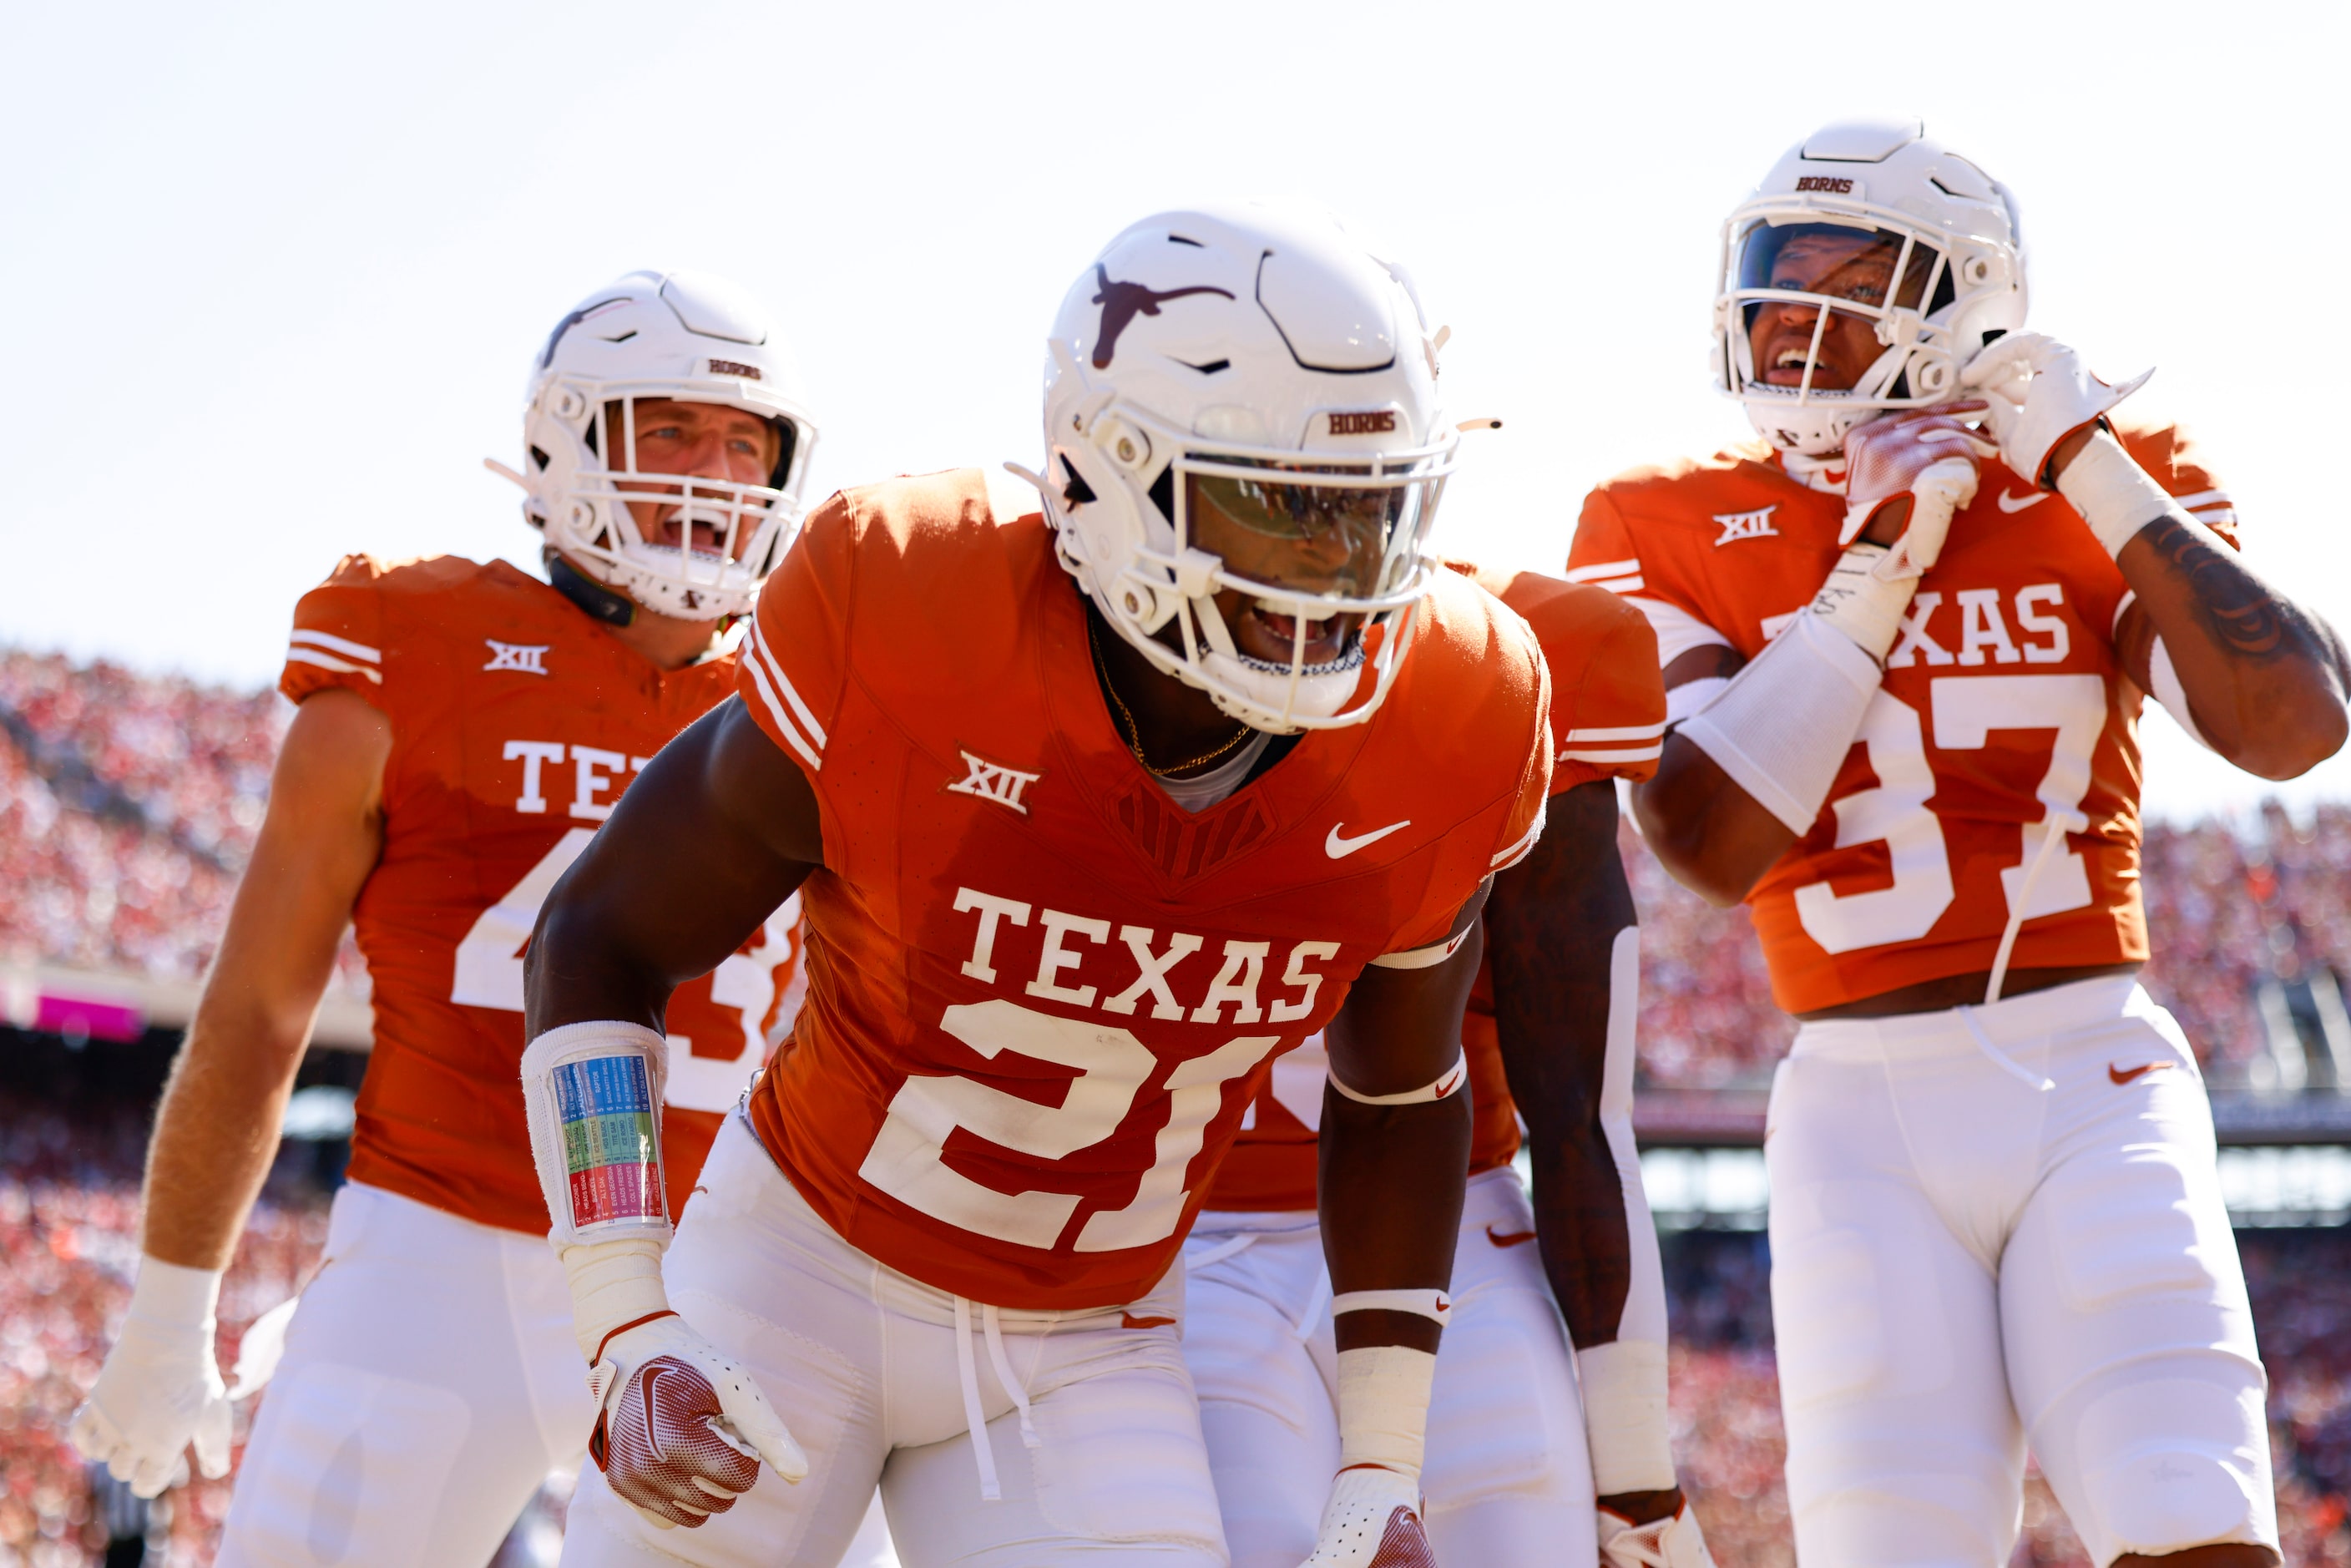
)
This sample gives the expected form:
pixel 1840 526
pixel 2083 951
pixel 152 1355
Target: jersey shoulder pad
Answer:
pixel 1476 693
pixel 1607 692
pixel 915 587
pixel 2172 460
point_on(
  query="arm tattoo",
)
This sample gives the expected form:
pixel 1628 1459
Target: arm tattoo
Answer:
pixel 2238 611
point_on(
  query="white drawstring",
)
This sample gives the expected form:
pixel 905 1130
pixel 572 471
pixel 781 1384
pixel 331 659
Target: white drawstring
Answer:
pixel 1312 1318
pixel 1223 1249
pixel 2049 838
pixel 991 1331
pixel 973 1418
pixel 2007 1064
pixel 992 1324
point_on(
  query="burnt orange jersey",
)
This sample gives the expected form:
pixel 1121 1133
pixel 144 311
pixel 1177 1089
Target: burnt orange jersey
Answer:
pixel 2002 702
pixel 1607 720
pixel 516 723
pixel 1040 994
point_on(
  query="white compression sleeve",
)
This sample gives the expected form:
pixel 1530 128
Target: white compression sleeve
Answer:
pixel 1782 725
pixel 2167 691
pixel 1623 1382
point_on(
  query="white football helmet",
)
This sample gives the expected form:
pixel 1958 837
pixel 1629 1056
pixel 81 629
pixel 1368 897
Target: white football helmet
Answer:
pixel 1951 232
pixel 689 336
pixel 1269 353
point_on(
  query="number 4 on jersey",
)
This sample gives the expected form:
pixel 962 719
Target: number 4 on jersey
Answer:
pixel 488 973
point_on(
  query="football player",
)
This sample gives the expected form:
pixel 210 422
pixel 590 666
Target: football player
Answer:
pixel 1511 1476
pixel 1905 648
pixel 1097 808
pixel 462 731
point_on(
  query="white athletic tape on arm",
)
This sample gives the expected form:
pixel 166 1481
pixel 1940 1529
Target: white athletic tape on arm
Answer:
pixel 593 1096
pixel 1440 1088
pixel 1435 1305
pixel 2113 494
pixel 1625 1412
pixel 1384 1407
pixel 2167 691
pixel 1783 725
pixel 173 1296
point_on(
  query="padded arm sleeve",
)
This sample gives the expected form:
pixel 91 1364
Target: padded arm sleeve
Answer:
pixel 593 1096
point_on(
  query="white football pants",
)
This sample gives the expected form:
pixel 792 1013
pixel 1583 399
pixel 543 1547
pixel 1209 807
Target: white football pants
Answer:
pixel 1509 1476
pixel 430 1382
pixel 1996 1226
pixel 1092 1440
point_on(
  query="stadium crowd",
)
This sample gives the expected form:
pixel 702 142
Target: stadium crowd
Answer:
pixel 129 803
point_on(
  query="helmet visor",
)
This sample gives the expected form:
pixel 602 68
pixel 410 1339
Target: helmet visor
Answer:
pixel 1311 531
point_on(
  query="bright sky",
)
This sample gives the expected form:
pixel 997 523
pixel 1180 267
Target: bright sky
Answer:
pixel 280 269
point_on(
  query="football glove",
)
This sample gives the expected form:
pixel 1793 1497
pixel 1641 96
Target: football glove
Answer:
pixel 161 1390
pixel 1929 456
pixel 681 1429
pixel 2037 392
pixel 1673 1542
pixel 1372 1520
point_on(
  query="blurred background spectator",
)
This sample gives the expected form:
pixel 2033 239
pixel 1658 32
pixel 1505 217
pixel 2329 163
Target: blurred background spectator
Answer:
pixel 129 803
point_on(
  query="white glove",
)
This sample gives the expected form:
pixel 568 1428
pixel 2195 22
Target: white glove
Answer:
pixel 2037 392
pixel 1673 1542
pixel 160 1389
pixel 1372 1520
pixel 1931 457
pixel 680 1429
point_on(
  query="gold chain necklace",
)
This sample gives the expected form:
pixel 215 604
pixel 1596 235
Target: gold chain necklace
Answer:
pixel 1131 733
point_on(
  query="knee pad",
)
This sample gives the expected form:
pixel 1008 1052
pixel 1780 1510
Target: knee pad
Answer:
pixel 2157 1462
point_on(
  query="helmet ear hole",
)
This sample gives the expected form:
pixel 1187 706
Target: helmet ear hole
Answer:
pixel 1163 493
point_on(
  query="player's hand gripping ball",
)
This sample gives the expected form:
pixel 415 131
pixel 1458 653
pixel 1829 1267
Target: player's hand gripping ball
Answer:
pixel 1930 455
pixel 681 1429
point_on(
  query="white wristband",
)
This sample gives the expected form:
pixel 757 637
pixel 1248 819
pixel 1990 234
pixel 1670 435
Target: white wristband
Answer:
pixel 173 1296
pixel 2113 494
pixel 1625 1413
pixel 1384 1407
pixel 612 1283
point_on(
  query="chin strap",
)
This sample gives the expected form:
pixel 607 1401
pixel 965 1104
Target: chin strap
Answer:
pixel 599 602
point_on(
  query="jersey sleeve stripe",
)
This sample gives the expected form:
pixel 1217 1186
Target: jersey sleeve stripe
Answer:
pixel 784 726
pixel 1622 732
pixel 1520 851
pixel 327 640
pixel 1601 569
pixel 761 657
pixel 2204 498
pixel 296 654
pixel 2218 515
pixel 1639 754
pixel 1619 584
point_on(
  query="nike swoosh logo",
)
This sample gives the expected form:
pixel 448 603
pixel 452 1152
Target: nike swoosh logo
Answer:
pixel 1129 1321
pixel 1338 845
pixel 2121 1075
pixel 1509 1238
pixel 2009 503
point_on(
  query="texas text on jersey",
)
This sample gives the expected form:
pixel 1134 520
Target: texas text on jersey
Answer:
pixel 1041 995
pixel 1607 718
pixel 516 722
pixel 2004 707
